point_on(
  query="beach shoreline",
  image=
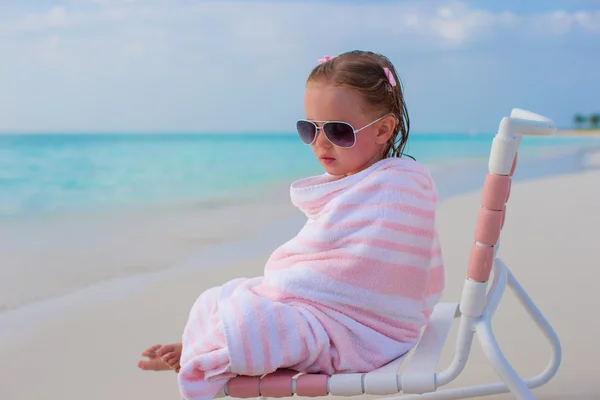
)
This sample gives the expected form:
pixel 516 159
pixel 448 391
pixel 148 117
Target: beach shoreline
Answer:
pixel 84 249
pixel 579 132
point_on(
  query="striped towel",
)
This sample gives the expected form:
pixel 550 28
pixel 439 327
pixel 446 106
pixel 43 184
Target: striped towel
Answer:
pixel 349 293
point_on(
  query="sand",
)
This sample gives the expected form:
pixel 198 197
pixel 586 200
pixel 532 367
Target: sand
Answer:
pixel 72 251
pixel 579 132
pixel 90 349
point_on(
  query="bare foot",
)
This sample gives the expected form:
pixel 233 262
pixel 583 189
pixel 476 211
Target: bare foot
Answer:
pixel 154 362
pixel 170 355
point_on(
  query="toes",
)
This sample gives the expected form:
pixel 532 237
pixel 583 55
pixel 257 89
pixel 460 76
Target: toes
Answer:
pixel 173 362
pixel 147 365
pixel 171 359
pixel 167 348
pixel 151 351
pixel 153 365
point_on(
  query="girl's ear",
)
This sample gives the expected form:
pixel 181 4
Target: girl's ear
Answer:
pixel 386 129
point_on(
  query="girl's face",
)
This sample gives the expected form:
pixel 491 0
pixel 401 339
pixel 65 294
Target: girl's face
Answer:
pixel 324 102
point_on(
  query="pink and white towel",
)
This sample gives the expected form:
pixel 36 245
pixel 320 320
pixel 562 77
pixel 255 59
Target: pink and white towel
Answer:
pixel 349 293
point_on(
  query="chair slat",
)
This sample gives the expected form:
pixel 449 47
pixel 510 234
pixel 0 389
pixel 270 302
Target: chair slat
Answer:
pixel 419 375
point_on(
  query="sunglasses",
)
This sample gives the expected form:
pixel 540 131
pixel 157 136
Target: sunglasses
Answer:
pixel 339 133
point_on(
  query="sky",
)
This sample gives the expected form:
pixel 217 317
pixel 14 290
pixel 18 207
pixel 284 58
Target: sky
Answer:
pixel 225 66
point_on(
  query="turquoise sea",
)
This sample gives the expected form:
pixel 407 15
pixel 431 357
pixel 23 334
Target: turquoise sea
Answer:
pixel 49 173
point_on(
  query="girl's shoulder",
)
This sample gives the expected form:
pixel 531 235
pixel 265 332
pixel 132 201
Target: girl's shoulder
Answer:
pixel 402 171
pixel 390 175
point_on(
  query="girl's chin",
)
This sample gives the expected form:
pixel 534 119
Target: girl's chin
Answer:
pixel 335 169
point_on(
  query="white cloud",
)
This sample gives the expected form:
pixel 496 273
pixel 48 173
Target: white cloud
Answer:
pixel 177 62
pixel 59 17
pixel 451 21
pixel 56 17
pixel 50 49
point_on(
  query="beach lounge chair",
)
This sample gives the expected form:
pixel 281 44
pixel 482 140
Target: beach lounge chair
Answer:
pixel 475 311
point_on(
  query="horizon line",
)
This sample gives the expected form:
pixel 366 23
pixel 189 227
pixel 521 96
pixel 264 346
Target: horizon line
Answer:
pixel 199 133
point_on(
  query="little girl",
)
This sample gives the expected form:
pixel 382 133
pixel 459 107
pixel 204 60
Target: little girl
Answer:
pixel 352 290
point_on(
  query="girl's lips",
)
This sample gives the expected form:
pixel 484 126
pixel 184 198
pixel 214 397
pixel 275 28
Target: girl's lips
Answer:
pixel 327 160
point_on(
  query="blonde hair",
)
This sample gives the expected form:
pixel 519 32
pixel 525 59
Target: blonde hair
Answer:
pixel 364 72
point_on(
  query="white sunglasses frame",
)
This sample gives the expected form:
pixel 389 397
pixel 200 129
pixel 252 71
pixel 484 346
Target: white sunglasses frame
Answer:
pixel 355 131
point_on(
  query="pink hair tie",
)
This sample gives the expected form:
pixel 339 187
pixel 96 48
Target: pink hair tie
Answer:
pixel 390 76
pixel 325 59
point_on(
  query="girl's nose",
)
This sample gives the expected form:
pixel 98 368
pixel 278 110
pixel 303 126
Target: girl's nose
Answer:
pixel 321 140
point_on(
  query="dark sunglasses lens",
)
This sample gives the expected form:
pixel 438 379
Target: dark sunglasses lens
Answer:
pixel 306 131
pixel 339 134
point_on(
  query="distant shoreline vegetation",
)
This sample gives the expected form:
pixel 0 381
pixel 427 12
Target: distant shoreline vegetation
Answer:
pixel 582 122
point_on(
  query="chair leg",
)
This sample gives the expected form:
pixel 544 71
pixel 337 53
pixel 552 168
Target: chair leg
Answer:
pixel 545 328
pixel 501 365
pixel 518 386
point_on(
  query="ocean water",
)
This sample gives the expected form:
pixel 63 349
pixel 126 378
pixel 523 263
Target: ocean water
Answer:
pixel 53 173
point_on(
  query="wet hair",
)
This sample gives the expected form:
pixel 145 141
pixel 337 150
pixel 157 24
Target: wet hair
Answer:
pixel 364 72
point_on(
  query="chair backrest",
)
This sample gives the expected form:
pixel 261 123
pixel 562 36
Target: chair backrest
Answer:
pixel 490 221
pixel 495 195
